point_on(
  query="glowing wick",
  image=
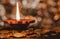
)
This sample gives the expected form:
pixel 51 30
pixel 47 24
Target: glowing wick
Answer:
pixel 17 12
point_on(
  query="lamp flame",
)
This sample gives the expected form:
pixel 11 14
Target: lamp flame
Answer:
pixel 17 12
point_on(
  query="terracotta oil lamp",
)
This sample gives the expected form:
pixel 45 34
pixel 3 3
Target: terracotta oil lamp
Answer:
pixel 19 23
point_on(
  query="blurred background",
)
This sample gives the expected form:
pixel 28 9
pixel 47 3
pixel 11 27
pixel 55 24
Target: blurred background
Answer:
pixel 46 14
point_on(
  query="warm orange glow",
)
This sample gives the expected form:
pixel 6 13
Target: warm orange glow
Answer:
pixel 23 21
pixel 12 21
